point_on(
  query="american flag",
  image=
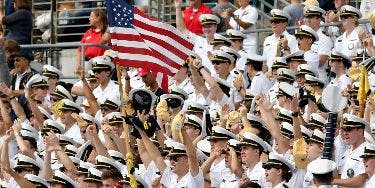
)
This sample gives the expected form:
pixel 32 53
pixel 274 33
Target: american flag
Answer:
pixel 141 41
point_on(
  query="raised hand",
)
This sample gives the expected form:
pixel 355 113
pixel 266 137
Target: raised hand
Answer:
pixel 142 115
pixel 9 134
pixel 177 3
pixel 197 63
pixel 17 126
pixel 243 110
pixel 52 142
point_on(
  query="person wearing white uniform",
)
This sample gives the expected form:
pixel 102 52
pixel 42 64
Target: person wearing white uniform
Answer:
pixel 350 40
pixel 252 147
pixel 103 68
pixel 260 84
pixel 278 170
pixel 353 170
pixel 215 166
pixel 72 129
pixel 244 19
pixel 237 37
pixel 322 170
pixel 314 16
pixel 202 45
pixel 369 162
pixel 306 36
pixel 280 43
pixel 339 64
pixel 184 170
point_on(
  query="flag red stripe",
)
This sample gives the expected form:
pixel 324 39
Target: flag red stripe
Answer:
pixel 165 45
pixel 157 55
pixel 172 35
pixel 146 64
pixel 126 37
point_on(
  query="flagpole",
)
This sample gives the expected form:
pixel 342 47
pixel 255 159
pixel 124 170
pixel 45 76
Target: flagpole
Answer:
pixel 129 155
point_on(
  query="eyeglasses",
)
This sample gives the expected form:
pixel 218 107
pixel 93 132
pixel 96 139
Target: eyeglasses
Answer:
pixel 18 59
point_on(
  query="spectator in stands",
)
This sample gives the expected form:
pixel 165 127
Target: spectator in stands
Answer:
pixel 281 43
pixel 8 7
pixel 96 34
pixel 295 10
pixel 19 23
pixel 220 6
pixel 191 16
pixel 11 47
pixel 350 40
pixel 243 19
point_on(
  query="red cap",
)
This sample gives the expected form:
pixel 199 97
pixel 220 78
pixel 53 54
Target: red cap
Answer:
pixel 143 72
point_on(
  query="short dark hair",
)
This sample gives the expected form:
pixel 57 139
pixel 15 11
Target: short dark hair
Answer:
pixel 257 65
pixel 22 4
pixel 324 179
pixel 114 174
pixel 12 46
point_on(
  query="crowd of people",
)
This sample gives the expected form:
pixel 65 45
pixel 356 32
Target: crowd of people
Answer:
pixel 231 117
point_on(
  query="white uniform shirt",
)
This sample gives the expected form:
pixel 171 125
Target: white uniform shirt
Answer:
pixel 250 15
pixel 103 94
pixel 270 46
pixel 281 185
pixel 322 47
pixel 257 174
pixel 229 181
pixel 370 183
pixel 169 179
pixel 217 172
pixel 352 163
pixel 75 133
pixel 260 84
pixel 348 44
pixel 312 59
pixel 186 86
pixel 201 47
pixel 342 82
pixel 241 62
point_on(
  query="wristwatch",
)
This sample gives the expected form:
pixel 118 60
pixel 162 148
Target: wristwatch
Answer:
pixel 295 114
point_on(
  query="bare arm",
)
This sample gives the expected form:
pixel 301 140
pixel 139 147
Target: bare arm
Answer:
pixel 180 24
pixel 235 164
pixel 153 151
pixel 5 114
pixel 89 95
pixel 356 181
pixel 18 109
pixel 99 147
pixel 48 173
pixel 145 156
pixel 191 153
pixel 37 114
pixel 5 164
pixel 24 149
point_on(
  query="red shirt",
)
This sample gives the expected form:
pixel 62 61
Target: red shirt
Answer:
pixel 192 18
pixel 92 36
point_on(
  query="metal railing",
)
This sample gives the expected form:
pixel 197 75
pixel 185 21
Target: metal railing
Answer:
pixel 56 47
pixel 67 24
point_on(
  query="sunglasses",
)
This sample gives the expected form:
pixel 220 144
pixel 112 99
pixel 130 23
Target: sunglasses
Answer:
pixel 18 59
pixel 44 87
pixel 347 129
pixel 346 16
pixel 54 99
pixel 276 21
pixel 174 158
pixel 218 62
